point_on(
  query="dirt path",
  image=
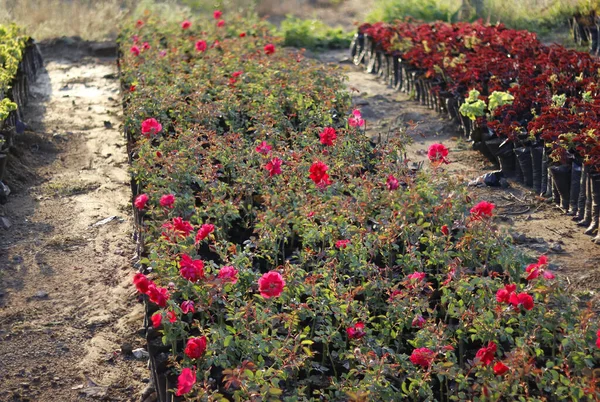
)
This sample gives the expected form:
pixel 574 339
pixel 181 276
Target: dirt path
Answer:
pixel 66 303
pixel 536 225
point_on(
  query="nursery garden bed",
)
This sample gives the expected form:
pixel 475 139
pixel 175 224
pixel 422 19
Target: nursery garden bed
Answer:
pixel 20 61
pixel 285 256
pixel 530 108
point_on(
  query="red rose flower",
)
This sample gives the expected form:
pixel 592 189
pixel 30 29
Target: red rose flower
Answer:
pixel 356 120
pixel 318 174
pixel 195 347
pixel 437 153
pixel 415 279
pixel 242 34
pixel 500 368
pixel 271 284
pixel 139 23
pixel 263 148
pixel 171 316
pixel 327 136
pixel 503 294
pixel 395 293
pixel 487 354
pixel 150 126
pixel 269 48
pixel 185 381
pixel 201 45
pixel 167 201
pixel 188 307
pixel 534 270
pixel 392 183
pixel 422 357
pixel 521 299
pixel 418 321
pixel 482 209
pixel 192 270
pixel 132 88
pixel 220 23
pixel 156 319
pixel 141 282
pixel 134 50
pixel 445 230
pixel 217 14
pixel 342 243
pixel 417 276
pixel 274 166
pixel 186 24
pixel 146 46
pixel 157 295
pixel 204 231
pixel 228 274
pixel 357 331
pixel 598 340
pixel 140 201
pixel 177 229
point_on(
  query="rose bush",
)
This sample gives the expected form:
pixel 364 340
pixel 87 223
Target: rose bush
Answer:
pixel 280 267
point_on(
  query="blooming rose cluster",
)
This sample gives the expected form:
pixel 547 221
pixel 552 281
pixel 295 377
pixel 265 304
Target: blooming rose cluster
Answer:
pixel 539 268
pixel 508 295
pixel 486 356
pixel 437 153
pixel 318 174
pixel 157 295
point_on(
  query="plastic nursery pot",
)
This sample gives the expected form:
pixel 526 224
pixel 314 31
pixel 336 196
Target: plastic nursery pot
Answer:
pixel 576 169
pixel 593 34
pixel 369 61
pixel 524 160
pixel 475 132
pixel 561 177
pixel 508 162
pixel 390 70
pixel 397 73
pixel 595 210
pixel 451 106
pixel 544 181
pixel 584 212
pixel 357 48
pixel 537 154
pixel 407 84
pixel 493 146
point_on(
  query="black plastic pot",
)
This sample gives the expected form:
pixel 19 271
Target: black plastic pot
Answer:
pixel 475 131
pixel 397 73
pixel 508 162
pixel 575 187
pixel 544 182
pixel 537 154
pixel 357 48
pixel 595 187
pixel 561 178
pixel 523 155
pixel 584 213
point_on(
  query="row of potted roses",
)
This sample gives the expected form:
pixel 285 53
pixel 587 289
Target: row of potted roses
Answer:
pixel 287 257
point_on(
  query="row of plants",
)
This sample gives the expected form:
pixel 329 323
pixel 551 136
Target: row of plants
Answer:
pixel 531 108
pixel 313 34
pixel 287 257
pixel 19 62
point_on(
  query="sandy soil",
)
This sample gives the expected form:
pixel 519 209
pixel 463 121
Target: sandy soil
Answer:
pixel 68 313
pixel 537 226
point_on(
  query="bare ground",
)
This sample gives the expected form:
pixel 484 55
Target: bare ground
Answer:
pixel 537 226
pixel 67 306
